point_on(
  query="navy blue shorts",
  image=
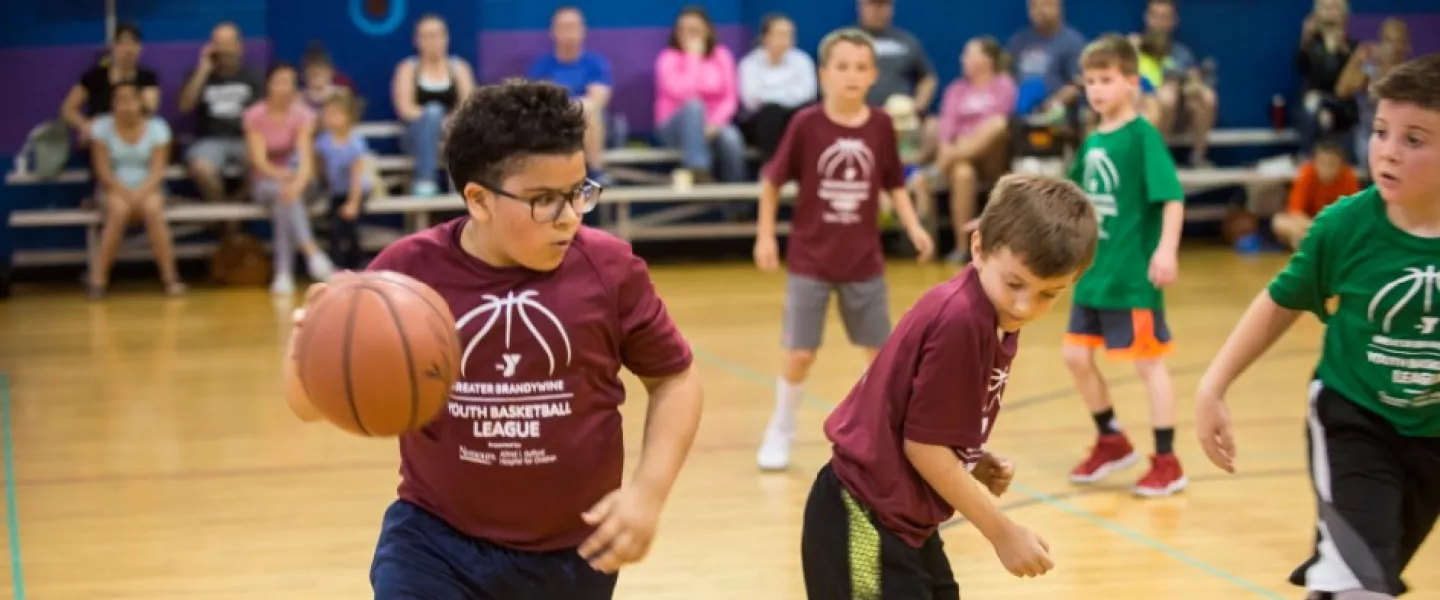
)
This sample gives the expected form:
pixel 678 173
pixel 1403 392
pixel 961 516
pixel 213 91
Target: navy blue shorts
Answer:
pixel 1136 334
pixel 420 557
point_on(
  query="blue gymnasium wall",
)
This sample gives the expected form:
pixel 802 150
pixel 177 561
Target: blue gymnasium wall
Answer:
pixel 45 45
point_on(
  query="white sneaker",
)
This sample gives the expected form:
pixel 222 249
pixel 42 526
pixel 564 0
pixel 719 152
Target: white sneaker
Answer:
pixel 283 285
pixel 774 452
pixel 320 266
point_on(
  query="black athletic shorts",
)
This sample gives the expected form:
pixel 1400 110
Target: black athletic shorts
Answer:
pixel 1378 492
pixel 848 555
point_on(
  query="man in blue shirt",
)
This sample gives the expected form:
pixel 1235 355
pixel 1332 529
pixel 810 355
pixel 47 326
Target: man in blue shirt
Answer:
pixel 1046 58
pixel 586 74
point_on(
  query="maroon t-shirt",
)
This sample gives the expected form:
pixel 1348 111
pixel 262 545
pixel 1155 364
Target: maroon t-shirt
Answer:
pixel 938 380
pixel 531 436
pixel 834 229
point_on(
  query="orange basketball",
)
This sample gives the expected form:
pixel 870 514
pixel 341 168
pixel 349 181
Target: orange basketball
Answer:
pixel 377 354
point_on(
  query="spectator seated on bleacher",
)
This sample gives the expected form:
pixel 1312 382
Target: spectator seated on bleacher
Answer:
pixel 280 131
pixel 322 81
pixel 1320 181
pixel 1369 63
pixel 696 98
pixel 90 98
pixel 1325 49
pixel 218 91
pixel 974 122
pixel 776 80
pixel 585 73
pixel 1186 100
pixel 129 155
pixel 426 88
pixel 905 76
pixel 1046 63
pixel 342 153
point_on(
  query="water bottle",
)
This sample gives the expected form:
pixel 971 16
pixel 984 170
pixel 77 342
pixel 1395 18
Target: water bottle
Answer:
pixel 1277 112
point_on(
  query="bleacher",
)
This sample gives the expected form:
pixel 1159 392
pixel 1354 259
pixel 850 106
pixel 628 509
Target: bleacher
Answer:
pixel 670 212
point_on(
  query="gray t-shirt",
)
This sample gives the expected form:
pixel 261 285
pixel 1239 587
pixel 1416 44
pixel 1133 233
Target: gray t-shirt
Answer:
pixel 902 64
pixel 1055 59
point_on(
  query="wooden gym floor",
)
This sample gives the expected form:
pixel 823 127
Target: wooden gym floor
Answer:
pixel 155 459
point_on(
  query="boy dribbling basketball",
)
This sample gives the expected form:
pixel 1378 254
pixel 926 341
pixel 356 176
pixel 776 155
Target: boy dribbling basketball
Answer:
pixel 843 154
pixel 514 491
pixel 1369 268
pixel 909 441
pixel 1126 168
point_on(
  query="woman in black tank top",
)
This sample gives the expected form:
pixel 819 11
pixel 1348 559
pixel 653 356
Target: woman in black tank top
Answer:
pixel 425 89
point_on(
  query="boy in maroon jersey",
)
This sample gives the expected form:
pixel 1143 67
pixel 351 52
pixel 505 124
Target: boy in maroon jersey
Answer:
pixel 909 440
pixel 514 491
pixel 843 155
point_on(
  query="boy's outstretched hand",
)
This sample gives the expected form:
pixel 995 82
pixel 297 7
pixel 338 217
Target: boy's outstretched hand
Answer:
pixel 625 522
pixel 995 472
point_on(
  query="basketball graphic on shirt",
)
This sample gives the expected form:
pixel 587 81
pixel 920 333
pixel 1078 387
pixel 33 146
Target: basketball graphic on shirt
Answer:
pixel 846 168
pixel 1101 180
pixel 516 314
pixel 1415 286
pixel 998 379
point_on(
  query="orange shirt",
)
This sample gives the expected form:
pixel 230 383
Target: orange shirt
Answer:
pixel 1309 194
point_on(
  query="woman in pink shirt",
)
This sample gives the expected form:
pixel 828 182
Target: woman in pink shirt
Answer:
pixel 974 119
pixel 280 134
pixel 696 97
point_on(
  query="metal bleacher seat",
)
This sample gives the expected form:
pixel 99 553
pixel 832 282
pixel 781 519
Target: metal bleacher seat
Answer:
pixel 671 222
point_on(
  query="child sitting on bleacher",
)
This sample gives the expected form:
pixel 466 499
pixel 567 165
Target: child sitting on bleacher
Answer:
pixel 1322 180
pixel 343 153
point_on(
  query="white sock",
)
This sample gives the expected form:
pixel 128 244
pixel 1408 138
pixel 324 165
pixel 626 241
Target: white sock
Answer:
pixel 787 402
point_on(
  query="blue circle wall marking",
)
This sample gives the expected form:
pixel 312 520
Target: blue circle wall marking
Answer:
pixel 385 27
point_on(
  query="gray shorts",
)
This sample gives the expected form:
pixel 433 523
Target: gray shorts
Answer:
pixel 219 153
pixel 864 308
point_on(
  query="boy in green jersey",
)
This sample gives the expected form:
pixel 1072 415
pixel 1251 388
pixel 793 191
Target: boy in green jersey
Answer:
pixel 1126 169
pixel 1369 268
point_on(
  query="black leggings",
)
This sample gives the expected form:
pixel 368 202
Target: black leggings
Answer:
pixel 345 234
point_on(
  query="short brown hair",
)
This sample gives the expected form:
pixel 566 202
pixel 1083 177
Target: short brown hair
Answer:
pixel 1047 222
pixel 849 35
pixel 1111 50
pixel 1416 81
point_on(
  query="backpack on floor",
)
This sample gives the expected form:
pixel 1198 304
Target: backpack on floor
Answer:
pixel 241 260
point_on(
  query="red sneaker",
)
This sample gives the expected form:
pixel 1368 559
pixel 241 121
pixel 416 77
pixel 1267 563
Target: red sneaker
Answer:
pixel 1164 479
pixel 1111 453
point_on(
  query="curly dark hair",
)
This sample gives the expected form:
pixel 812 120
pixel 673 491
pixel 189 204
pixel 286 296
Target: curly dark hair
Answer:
pixel 499 126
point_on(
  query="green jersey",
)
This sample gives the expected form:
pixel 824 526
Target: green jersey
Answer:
pixel 1382 340
pixel 1129 175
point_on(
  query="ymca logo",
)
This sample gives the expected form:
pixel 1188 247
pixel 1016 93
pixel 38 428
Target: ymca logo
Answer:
pixel 516 310
pixel 1401 292
pixel 507 368
pixel 846 169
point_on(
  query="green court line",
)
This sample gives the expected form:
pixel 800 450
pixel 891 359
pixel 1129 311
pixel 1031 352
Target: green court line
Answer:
pixel 17 576
pixel 755 376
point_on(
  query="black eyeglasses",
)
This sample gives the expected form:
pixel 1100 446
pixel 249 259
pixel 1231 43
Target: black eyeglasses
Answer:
pixel 551 205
